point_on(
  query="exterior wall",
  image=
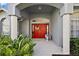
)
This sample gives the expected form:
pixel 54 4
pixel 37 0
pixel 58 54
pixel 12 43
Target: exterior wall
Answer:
pixel 68 9
pixel 4 24
pixel 25 5
pixel 14 27
pixel 2 15
pixel 42 16
pixel 75 23
pixel 57 28
pixel 24 27
pixel 0 27
pixel 24 24
pixel 55 25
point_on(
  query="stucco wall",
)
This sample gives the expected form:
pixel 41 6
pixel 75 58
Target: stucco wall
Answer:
pixel 24 24
pixel 57 28
pixel 2 14
pixel 3 27
pixel 0 27
pixel 42 16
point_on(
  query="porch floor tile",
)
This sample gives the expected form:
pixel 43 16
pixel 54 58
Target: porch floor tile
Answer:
pixel 46 48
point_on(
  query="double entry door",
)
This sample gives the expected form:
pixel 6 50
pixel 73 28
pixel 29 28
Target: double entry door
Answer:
pixel 39 30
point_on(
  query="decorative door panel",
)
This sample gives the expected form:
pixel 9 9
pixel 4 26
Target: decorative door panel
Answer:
pixel 39 30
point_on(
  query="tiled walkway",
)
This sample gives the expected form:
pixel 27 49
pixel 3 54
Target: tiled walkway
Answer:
pixel 46 48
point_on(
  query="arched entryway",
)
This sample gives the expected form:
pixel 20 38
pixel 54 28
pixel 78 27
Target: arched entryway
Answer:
pixel 40 27
pixel 60 21
pixel 42 14
pixel 4 23
pixel 37 20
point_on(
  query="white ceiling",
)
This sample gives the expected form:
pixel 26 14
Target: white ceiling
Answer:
pixel 25 5
pixel 40 8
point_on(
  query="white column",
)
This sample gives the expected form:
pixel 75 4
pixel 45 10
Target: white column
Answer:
pixel 14 27
pixel 66 34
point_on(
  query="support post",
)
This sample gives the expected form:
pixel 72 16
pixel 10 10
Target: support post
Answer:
pixel 14 28
pixel 66 34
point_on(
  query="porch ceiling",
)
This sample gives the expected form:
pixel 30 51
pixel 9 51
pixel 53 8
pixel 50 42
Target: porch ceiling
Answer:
pixel 40 8
pixel 24 5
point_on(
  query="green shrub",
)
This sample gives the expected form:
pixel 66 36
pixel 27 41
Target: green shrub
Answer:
pixel 22 46
pixel 5 40
pixel 74 46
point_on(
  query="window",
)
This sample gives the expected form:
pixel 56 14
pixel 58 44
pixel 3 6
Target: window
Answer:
pixel 5 27
pixel 75 27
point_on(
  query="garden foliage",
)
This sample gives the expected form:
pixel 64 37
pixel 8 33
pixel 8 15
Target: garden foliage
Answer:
pixel 22 46
pixel 74 46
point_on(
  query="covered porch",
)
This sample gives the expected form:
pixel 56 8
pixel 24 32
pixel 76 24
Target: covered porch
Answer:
pixel 46 48
pixel 39 20
pixel 59 29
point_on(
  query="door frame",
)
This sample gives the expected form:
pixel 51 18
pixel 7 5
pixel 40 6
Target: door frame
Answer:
pixel 39 23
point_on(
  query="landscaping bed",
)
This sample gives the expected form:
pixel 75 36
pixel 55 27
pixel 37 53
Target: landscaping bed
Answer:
pixel 22 46
pixel 74 46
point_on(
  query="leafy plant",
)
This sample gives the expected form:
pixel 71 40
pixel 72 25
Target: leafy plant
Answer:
pixel 5 40
pixel 19 47
pixel 74 46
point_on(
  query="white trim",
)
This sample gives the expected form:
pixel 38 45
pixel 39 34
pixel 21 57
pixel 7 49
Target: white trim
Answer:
pixel 40 22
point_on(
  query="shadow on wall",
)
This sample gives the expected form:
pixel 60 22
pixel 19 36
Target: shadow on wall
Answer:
pixel 0 27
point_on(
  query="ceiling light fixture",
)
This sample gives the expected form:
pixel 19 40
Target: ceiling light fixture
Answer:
pixel 39 7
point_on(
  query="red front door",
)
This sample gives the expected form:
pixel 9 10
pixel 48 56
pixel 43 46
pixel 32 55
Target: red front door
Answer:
pixel 39 30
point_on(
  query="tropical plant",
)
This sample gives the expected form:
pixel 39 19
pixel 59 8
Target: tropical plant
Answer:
pixel 74 46
pixel 19 47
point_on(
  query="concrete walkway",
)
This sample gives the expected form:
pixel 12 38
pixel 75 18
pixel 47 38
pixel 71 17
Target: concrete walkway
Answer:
pixel 46 48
